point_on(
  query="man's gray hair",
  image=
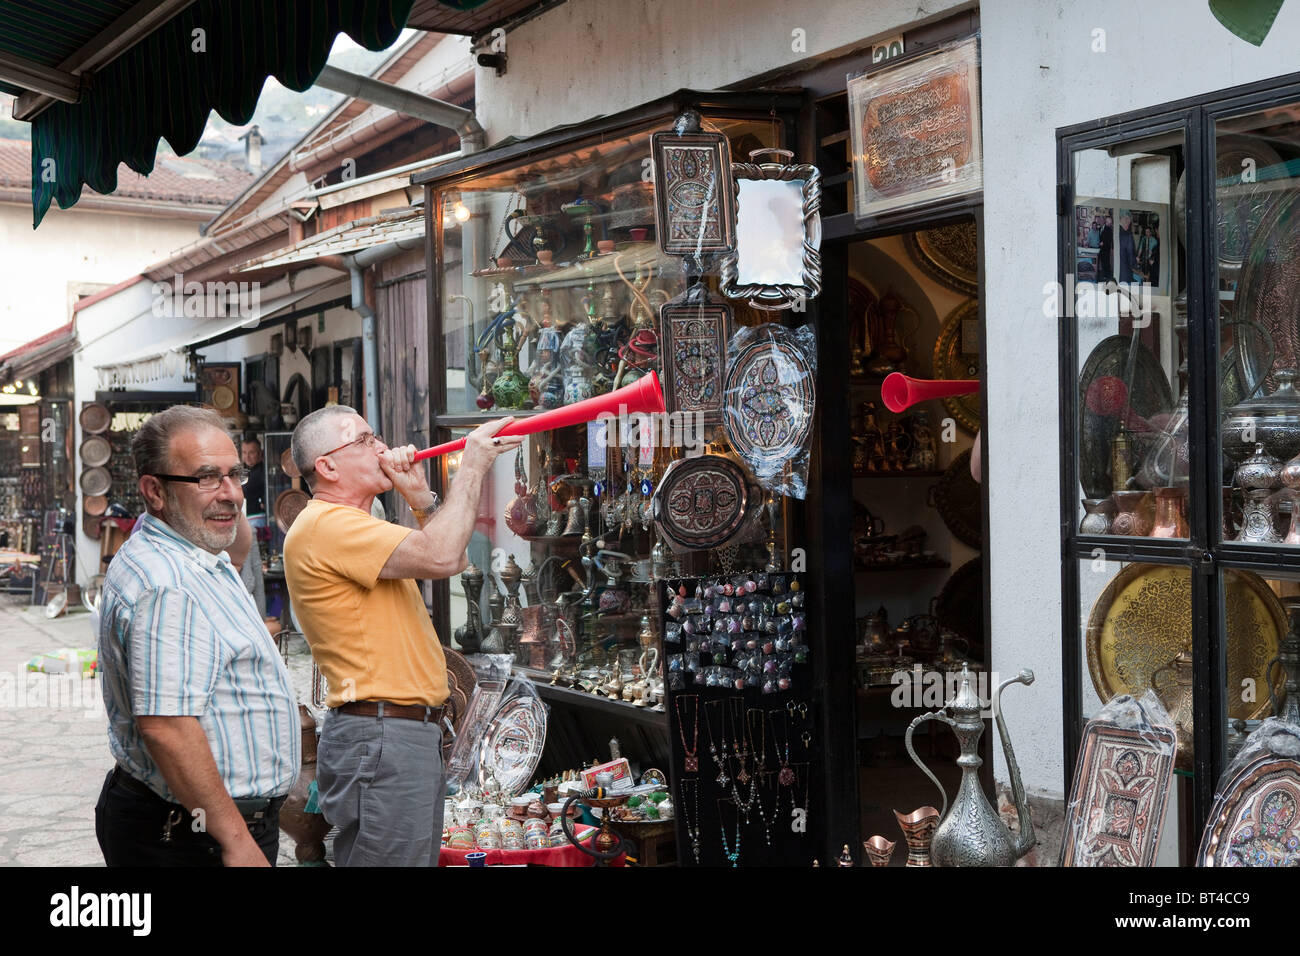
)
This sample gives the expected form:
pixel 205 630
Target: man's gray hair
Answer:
pixel 315 435
pixel 151 446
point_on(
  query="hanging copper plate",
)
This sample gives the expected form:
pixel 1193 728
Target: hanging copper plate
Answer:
pixel 512 745
pixel 1144 619
pixel 94 505
pixel 96 481
pixel 771 398
pixel 960 605
pixel 90 525
pixel 95 451
pixel 1268 295
pixel 95 418
pixel 957 497
pixel 286 464
pixel 954 360
pixel 1148 397
pixel 948 254
pixel 1255 818
pixel 288 505
pixel 701 503
pixel 1117 801
pixel 693 343
pixel 461 681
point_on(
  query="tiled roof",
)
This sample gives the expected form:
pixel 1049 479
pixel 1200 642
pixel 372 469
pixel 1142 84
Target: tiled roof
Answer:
pixel 183 179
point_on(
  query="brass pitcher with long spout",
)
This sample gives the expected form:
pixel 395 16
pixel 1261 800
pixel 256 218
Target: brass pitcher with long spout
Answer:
pixel 971 833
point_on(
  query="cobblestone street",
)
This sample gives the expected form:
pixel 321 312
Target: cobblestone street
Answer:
pixel 54 744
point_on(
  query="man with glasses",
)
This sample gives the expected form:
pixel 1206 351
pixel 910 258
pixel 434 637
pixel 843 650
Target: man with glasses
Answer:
pixel 202 716
pixel 352 579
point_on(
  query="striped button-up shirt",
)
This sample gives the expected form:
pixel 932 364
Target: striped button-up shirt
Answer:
pixel 179 635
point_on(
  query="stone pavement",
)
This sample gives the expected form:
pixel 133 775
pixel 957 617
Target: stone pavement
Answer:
pixel 54 743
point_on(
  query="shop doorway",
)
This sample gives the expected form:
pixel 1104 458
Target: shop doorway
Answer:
pixel 914 541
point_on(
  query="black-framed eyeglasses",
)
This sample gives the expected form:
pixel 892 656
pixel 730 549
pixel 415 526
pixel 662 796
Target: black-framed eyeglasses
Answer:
pixel 210 480
pixel 368 439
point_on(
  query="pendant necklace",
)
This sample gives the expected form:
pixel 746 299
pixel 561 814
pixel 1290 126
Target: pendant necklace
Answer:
pixel 799 815
pixel 758 739
pixel 776 808
pixel 691 762
pixel 721 761
pixel 786 775
pixel 740 738
pixel 692 829
pixel 730 852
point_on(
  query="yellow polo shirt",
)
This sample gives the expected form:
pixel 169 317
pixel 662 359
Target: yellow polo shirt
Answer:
pixel 371 638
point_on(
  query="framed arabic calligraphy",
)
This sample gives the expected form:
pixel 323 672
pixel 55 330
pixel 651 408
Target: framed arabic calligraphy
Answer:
pixel 693 333
pixel 916 131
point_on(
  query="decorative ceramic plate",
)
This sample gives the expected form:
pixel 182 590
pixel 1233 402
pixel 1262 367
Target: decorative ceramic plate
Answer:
pixel 960 605
pixel 956 356
pixel 948 254
pixel 96 481
pixel 513 744
pixel 96 451
pixel 771 397
pixel 957 496
pixel 1144 618
pixel 1148 396
pixel 1268 294
pixel 288 505
pixel 701 503
pixel 95 418
pixel 1255 820
pixel 1119 795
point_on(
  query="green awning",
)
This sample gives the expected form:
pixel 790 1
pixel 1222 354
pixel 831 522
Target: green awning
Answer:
pixel 214 55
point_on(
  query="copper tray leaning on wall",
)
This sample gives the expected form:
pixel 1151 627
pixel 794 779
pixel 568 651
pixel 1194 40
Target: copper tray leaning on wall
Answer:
pixel 1144 618
pixel 948 254
pixel 461 680
pixel 951 361
pixel 288 505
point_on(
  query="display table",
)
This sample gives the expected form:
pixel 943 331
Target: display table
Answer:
pixel 567 855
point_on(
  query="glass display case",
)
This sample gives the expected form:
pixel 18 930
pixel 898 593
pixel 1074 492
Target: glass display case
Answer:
pixel 546 290
pixel 1180 341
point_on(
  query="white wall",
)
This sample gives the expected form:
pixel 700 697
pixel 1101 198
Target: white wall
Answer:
pixel 71 246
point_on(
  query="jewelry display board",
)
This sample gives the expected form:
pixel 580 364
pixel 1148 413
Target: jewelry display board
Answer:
pixel 746 764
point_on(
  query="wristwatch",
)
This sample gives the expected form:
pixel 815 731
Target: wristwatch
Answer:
pixel 428 509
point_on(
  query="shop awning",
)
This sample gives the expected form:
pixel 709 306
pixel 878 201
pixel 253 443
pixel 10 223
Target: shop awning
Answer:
pixel 391 226
pixel 165 358
pixel 116 90
pixel 36 356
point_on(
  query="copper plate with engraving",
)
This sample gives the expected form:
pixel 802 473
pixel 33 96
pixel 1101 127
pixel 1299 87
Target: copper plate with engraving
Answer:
pixel 288 505
pixel 1268 295
pixel 95 451
pixel 956 356
pixel 701 503
pixel 95 418
pixel 771 398
pixel 948 254
pixel 693 338
pixel 1255 818
pixel 1144 618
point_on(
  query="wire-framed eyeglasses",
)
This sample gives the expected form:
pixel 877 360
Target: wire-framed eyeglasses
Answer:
pixel 210 480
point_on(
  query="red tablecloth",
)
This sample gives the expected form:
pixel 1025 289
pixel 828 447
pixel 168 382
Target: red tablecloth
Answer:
pixel 566 855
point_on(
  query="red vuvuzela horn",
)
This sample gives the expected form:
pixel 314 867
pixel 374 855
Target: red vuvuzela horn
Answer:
pixel 643 396
pixel 900 392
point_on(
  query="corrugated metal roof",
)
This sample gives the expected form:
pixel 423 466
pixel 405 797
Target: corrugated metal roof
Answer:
pixel 391 226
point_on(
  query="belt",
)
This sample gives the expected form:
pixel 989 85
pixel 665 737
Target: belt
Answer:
pixel 382 708
pixel 250 808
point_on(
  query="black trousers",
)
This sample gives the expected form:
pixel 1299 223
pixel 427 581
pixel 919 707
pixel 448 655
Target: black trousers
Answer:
pixel 131 826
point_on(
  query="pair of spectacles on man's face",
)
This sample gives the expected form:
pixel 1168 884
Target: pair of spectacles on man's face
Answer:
pixel 369 439
pixel 210 479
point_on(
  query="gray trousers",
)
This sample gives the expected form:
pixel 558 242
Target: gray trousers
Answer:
pixel 381 783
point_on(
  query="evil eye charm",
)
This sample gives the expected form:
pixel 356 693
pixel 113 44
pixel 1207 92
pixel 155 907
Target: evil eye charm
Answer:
pixel 646 487
pixel 800 622
pixel 733 625
pixel 782 607
pixel 709 591
pixel 769 647
pixel 728 589
pixel 598 488
pixel 739 683
pixel 782 643
pixel 751 645
pixel 796 599
pixel 747 622
pixel 778 586
pixel 751 586
pixel 785 626
pixel 688 626
pixel 783 683
pixel 769 666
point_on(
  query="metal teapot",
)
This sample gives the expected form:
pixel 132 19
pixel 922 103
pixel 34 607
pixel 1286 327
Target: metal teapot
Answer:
pixel 971 832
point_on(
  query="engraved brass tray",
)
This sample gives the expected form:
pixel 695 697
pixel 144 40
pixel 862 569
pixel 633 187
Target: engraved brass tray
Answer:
pixel 951 361
pixel 1268 294
pixel 1144 618
pixel 948 254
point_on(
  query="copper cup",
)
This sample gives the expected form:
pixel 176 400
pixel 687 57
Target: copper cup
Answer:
pixel 878 850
